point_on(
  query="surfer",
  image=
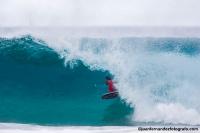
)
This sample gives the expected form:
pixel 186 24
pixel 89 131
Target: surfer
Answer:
pixel 111 88
pixel 110 84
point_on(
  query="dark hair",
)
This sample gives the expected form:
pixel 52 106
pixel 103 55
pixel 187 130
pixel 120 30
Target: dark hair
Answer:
pixel 108 77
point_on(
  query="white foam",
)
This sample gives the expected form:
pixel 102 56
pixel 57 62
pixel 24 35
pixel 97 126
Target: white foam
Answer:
pixel 142 76
pixel 163 87
pixel 24 128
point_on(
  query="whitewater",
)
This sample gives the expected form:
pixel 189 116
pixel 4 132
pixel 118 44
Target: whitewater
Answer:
pixel 156 70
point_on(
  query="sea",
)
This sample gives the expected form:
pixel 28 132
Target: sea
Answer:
pixel 52 79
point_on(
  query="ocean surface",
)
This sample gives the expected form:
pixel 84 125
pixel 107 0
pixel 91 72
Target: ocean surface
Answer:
pixel 57 80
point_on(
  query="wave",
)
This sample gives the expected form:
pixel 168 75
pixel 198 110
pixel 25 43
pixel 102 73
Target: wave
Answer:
pixel 36 87
pixel 158 79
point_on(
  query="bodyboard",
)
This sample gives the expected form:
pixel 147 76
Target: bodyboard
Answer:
pixel 110 95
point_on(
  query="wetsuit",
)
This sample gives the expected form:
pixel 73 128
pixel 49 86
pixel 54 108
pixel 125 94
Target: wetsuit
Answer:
pixel 111 86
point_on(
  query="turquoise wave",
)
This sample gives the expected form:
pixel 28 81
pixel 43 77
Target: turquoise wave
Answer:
pixel 36 87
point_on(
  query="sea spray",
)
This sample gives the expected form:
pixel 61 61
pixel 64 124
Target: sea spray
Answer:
pixel 159 77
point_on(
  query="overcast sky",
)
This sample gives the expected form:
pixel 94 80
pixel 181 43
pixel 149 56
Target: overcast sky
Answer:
pixel 99 13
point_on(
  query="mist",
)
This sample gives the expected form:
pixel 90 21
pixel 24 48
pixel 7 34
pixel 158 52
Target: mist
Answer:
pixel 99 13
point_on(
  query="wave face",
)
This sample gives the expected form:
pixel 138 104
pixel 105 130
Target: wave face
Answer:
pixel 36 87
pixel 60 80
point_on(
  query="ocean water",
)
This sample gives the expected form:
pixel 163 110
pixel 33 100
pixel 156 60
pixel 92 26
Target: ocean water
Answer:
pixel 36 87
pixel 57 79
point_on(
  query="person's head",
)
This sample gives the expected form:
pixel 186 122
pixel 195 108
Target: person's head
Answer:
pixel 108 78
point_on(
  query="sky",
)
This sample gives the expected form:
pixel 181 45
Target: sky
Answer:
pixel 99 13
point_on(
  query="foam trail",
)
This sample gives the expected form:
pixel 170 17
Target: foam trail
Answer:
pixel 24 128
